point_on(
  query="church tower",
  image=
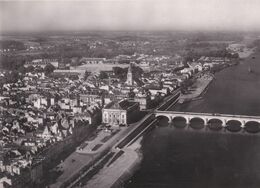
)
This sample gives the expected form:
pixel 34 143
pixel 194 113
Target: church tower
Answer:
pixel 129 80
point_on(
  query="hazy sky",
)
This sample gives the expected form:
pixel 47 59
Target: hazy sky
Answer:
pixel 130 15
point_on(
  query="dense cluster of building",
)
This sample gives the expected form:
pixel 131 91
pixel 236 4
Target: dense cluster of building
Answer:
pixel 41 116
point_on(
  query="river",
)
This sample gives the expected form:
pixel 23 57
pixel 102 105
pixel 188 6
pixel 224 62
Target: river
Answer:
pixel 180 159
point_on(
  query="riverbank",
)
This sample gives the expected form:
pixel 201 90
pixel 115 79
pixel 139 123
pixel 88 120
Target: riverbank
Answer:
pixel 197 89
pixel 78 162
pixel 246 52
pixel 201 84
pixel 81 166
pixel 234 91
pixel 115 173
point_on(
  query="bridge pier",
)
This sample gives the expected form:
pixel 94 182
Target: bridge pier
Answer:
pixel 224 123
pixel 206 121
pixel 188 121
pixel 170 121
pixel 205 124
pixel 243 123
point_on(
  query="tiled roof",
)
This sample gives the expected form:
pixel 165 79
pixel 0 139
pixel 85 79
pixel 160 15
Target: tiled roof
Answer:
pixel 121 105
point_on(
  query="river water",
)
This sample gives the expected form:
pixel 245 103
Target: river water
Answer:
pixel 194 159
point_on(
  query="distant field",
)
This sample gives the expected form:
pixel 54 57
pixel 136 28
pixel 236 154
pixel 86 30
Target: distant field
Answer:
pixel 31 53
pixel 217 42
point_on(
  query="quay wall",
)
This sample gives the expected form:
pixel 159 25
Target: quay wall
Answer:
pixel 129 172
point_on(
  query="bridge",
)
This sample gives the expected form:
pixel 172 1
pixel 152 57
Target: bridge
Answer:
pixel 213 121
pixel 170 101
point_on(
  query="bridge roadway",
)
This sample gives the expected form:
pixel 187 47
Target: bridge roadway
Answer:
pixel 224 120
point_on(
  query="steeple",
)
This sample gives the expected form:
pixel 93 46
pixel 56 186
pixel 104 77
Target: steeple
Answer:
pixel 129 80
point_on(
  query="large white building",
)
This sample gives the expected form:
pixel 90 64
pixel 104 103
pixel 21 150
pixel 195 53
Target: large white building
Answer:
pixel 86 60
pixel 71 72
pixel 42 63
pixel 122 112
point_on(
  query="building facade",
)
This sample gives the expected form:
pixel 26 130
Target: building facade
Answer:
pixel 122 112
pixel 42 63
pixel 86 60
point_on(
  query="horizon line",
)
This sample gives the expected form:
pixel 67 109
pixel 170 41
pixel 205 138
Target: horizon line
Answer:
pixel 6 32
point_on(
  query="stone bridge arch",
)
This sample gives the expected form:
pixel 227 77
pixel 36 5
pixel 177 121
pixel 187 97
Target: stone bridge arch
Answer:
pixel 163 118
pixel 216 124
pixel 179 121
pixel 252 126
pixel 234 125
pixel 204 119
pixel 197 122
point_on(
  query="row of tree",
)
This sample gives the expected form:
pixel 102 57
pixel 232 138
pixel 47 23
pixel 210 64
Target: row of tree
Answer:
pixel 14 75
pixel 191 54
pixel 122 72
pixel 12 62
pixel 12 44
